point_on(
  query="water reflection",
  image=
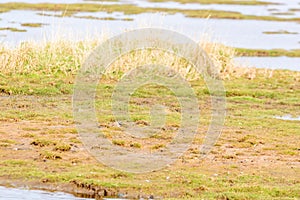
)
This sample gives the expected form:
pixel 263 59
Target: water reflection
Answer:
pixel 59 1
pixel 14 193
pixel 270 62
pixel 237 33
pixel 282 8
pixel 288 117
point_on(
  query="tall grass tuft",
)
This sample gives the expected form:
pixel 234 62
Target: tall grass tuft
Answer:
pixel 48 58
pixel 65 57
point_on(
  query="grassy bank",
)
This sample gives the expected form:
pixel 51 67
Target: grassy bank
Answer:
pixel 256 157
pixel 65 57
pixel 68 10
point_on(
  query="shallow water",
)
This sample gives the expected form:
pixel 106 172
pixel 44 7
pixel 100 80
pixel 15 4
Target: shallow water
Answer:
pixel 288 117
pixel 257 10
pixel 270 62
pixel 24 194
pixel 59 1
pixel 237 33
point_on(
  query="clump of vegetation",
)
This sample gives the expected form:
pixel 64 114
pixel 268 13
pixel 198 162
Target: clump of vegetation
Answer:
pixel 136 145
pixel 65 58
pixel 42 142
pixel 7 142
pixel 49 58
pixel 120 175
pixel 31 129
pixel 29 135
pixel 158 146
pixel 119 142
pixel 62 147
pixel 50 155
pixel 75 140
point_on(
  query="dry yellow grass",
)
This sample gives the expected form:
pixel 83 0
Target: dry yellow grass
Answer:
pixel 66 57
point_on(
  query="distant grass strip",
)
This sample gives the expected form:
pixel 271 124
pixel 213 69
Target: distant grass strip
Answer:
pixel 33 25
pixel 267 53
pixel 279 32
pixel 70 9
pixel 104 18
pixel 12 29
pixel 238 2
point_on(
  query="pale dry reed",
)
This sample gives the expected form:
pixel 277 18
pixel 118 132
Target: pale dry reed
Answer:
pixel 66 57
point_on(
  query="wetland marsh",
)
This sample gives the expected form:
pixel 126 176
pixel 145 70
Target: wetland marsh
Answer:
pixel 255 47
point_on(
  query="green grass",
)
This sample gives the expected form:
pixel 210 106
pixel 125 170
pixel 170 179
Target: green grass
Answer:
pixel 136 145
pixel 7 142
pixel 188 180
pixel 62 147
pixel 50 155
pixel 251 160
pixel 41 142
pixel 119 142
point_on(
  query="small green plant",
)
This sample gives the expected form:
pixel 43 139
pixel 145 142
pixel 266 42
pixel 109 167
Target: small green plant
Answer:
pixel 136 145
pixel 8 141
pixel 158 146
pixel 62 147
pixel 50 155
pixel 120 175
pixel 31 129
pixel 42 142
pixel 75 140
pixel 29 135
pixel 289 152
pixel 4 144
pixel 119 142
